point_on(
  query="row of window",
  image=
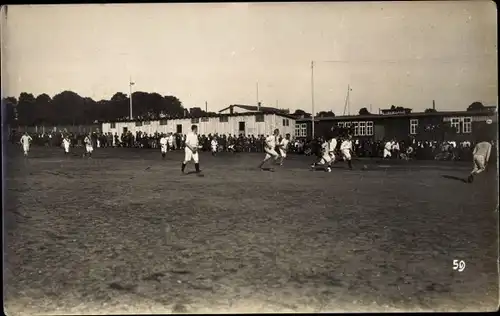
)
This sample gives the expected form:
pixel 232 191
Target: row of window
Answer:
pixel 365 128
pixel 222 119
pixel 362 128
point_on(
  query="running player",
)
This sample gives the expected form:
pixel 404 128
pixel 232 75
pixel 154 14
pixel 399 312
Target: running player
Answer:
pixel 66 143
pixel 481 156
pixel 25 142
pixel 283 147
pixel 269 148
pixel 328 150
pixel 88 146
pixel 163 145
pixel 214 145
pixel 346 150
pixel 191 149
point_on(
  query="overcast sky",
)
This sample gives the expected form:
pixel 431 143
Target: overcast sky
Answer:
pixel 390 53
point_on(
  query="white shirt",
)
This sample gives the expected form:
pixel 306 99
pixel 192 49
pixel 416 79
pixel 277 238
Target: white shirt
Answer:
pixel 192 140
pixel 388 146
pixel 271 141
pixel 284 144
pixel 171 139
pixel 346 145
pixel 87 141
pixel 332 145
pixel 483 149
pixel 25 140
pixel 163 142
pixel 66 142
pixel 214 142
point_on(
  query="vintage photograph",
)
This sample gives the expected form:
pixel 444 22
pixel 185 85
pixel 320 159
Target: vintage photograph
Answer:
pixel 328 157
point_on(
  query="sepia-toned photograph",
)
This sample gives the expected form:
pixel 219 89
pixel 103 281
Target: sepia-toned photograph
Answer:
pixel 302 157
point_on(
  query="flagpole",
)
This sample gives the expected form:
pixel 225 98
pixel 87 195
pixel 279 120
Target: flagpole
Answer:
pixel 130 99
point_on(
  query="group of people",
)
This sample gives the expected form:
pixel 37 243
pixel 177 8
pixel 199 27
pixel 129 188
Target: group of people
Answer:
pixel 328 150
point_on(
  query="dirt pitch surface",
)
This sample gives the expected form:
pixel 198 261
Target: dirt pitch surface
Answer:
pixel 125 232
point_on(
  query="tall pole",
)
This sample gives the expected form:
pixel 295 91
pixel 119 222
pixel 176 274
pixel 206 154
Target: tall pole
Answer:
pixel 312 98
pixel 206 107
pixel 346 105
pixel 257 92
pixel 130 84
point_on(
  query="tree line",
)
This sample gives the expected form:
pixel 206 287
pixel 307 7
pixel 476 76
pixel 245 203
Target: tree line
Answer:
pixel 67 108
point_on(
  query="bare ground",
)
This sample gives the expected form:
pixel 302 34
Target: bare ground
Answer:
pixel 125 232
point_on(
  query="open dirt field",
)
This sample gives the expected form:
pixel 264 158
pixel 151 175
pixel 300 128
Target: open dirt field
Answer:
pixel 125 232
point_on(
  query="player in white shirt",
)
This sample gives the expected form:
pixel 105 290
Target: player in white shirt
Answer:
pixel 88 146
pixel 481 156
pixel 163 145
pixel 328 149
pixel 66 143
pixel 214 145
pixel 269 148
pixel 283 147
pixel 171 140
pixel 346 150
pixel 387 149
pixel 25 142
pixel 191 149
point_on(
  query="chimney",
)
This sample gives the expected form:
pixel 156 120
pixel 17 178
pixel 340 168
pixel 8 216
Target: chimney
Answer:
pixel 231 109
pixel 258 106
pixel 434 104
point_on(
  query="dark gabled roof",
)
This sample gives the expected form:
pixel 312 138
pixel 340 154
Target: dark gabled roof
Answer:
pixel 408 115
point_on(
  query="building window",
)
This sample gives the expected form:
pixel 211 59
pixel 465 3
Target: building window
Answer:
pixel 179 129
pixel 362 128
pixel 286 122
pixel 147 122
pixel 369 128
pixel 467 125
pixel 300 130
pixel 341 124
pixel 348 124
pixel 223 119
pixel 195 120
pixel 413 126
pixel 356 128
pixel 138 123
pixel 204 119
pixel 259 117
pixel 241 127
pixel 455 123
pixel 163 122
pixel 112 125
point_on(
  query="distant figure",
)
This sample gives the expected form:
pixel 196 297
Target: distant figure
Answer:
pixel 214 145
pixel 270 149
pixel 387 149
pixel 346 150
pixel 328 154
pixel 481 156
pixel 25 142
pixel 283 147
pixel 163 145
pixel 88 146
pixel 191 149
pixel 66 143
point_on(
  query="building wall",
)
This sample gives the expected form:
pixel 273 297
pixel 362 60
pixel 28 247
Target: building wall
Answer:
pixel 210 125
pixel 399 127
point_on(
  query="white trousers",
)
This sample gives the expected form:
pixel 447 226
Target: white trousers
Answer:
pixel 190 155
pixel 270 153
pixel 89 148
pixel 387 153
pixel 479 164
pixel 26 148
pixel 347 154
pixel 327 157
pixel 283 153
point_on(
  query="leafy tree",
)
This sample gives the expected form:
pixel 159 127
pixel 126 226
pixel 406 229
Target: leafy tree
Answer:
pixel 476 106
pixel 364 111
pixel 301 113
pixel 325 114
pixel 430 110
